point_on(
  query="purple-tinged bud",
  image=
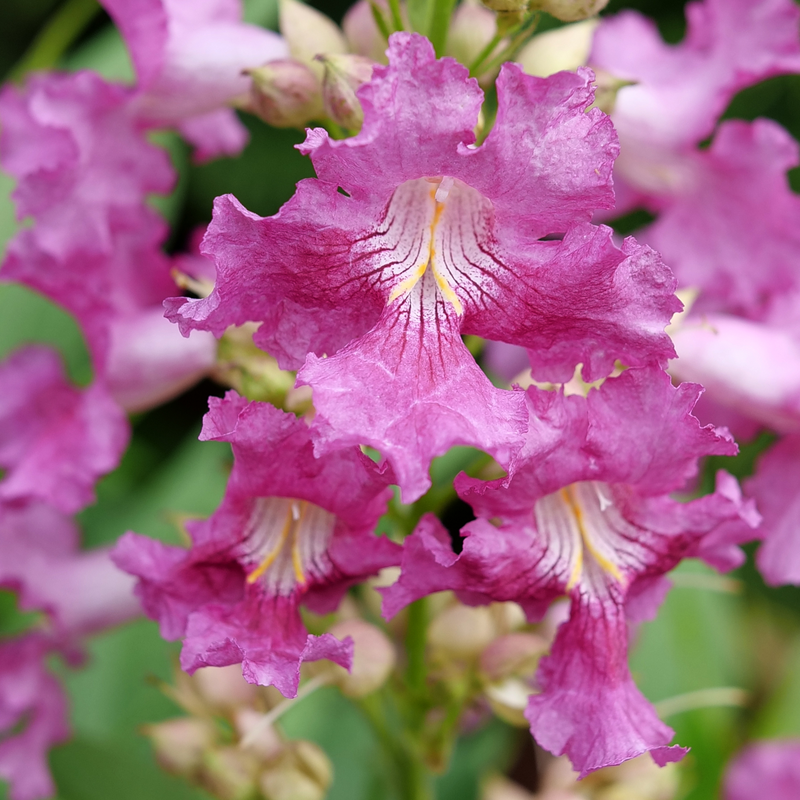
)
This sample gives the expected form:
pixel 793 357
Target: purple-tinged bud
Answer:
pixel 514 654
pixel 285 94
pixel 462 631
pixel 230 773
pixel 472 28
pixel 373 658
pixel 344 74
pixel 565 48
pixel 363 36
pixel 569 10
pixel 509 699
pixel 309 33
pixel 180 744
pixel 305 775
pixel 224 688
pixel 260 740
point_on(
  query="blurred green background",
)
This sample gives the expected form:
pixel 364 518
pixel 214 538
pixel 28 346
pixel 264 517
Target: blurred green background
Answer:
pixel 709 633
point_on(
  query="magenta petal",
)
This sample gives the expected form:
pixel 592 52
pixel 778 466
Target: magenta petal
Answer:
pixel 55 440
pixel 266 635
pixel 412 389
pixel 215 134
pixel 31 698
pixel 417 112
pixel 171 586
pixel 682 89
pixel 589 707
pixel 774 487
pixel 735 208
pixel 189 57
pixel 149 362
pixel 766 769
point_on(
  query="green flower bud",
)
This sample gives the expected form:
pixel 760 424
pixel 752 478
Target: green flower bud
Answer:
pixel 285 94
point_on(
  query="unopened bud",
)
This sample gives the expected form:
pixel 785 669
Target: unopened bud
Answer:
pixel 570 10
pixel 373 658
pixel 181 743
pixel 285 94
pixel 472 28
pixel 607 88
pixel 261 740
pixel 305 776
pixel 224 688
pixel 507 6
pixel 565 48
pixel 363 36
pixel 229 773
pixel 516 654
pixel 509 699
pixel 309 33
pixel 344 74
pixel 461 631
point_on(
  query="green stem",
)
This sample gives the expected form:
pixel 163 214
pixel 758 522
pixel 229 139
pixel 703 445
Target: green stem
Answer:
pixel 397 19
pixel 485 53
pixel 439 14
pixel 57 35
pixel 380 20
pixel 416 634
pixel 523 33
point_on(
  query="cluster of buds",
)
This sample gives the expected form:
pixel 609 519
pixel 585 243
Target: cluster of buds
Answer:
pixel 225 747
pixel 318 81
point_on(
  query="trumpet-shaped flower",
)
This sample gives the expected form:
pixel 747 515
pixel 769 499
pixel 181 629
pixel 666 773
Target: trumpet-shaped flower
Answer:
pixel 55 440
pixel 588 514
pixel 189 58
pixel 723 208
pixel 411 235
pixel 291 529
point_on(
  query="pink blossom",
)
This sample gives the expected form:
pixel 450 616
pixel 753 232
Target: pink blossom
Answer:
pixel 341 284
pixel 291 529
pixel 765 769
pixel 588 513
pixel 725 208
pixel 189 58
pixel 55 440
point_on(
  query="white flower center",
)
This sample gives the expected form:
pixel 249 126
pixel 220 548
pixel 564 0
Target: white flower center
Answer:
pixel 287 540
pixel 583 521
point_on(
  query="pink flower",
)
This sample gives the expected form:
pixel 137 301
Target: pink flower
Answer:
pixel 370 288
pixel 291 529
pixel 765 769
pixel 79 593
pixel 724 208
pixel 84 170
pixel 588 514
pixel 31 698
pixel 189 58
pixel 55 440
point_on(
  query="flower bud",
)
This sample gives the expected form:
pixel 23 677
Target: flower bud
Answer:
pixel 224 688
pixel 181 743
pixel 285 94
pixel 516 654
pixel 461 631
pixel 373 658
pixel 471 29
pixel 361 31
pixel 261 740
pixel 507 6
pixel 229 773
pixel 309 33
pixel 561 49
pixel 306 775
pixel 509 699
pixel 570 10
pixel 344 74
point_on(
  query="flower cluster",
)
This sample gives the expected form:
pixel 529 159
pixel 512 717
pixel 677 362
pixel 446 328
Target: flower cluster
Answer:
pixel 446 238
